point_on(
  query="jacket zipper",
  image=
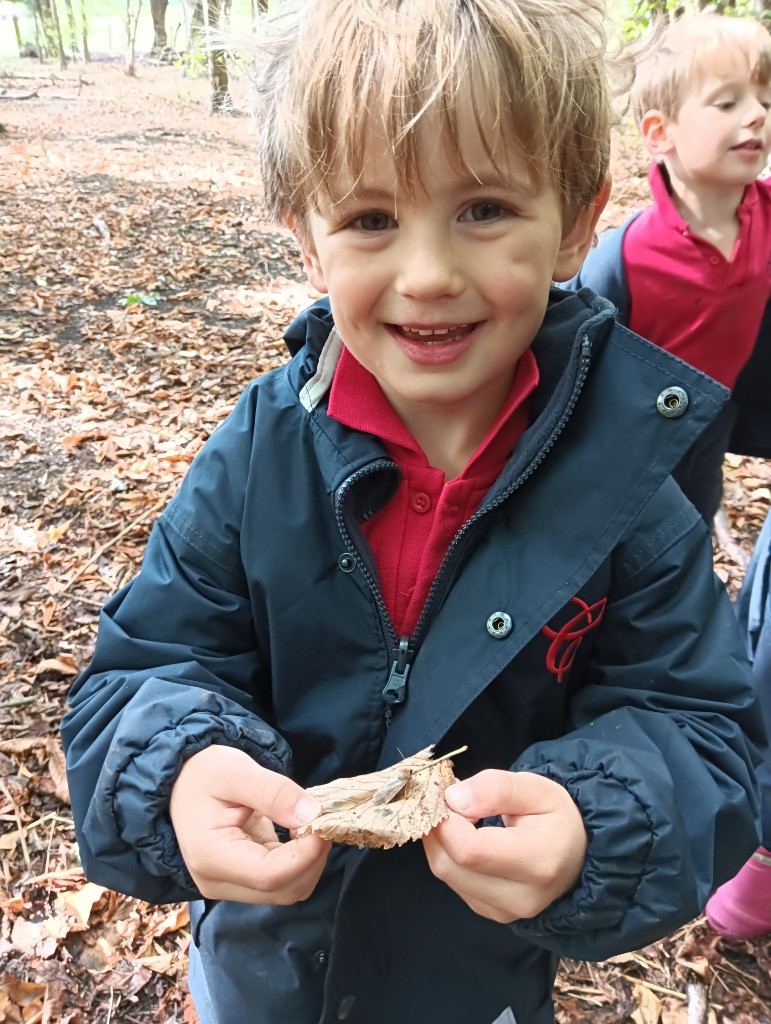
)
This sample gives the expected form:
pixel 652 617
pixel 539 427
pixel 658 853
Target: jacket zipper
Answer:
pixel 403 650
pixel 445 568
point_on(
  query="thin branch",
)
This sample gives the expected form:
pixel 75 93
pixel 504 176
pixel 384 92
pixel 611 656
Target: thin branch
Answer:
pixel 113 541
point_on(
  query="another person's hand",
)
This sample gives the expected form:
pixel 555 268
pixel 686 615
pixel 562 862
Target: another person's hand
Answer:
pixel 222 806
pixel 512 872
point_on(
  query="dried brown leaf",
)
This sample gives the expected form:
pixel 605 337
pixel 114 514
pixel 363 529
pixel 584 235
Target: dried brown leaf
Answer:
pixel 648 1005
pixel 386 808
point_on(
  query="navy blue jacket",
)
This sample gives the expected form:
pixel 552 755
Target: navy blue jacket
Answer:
pixel 257 621
pixel 603 271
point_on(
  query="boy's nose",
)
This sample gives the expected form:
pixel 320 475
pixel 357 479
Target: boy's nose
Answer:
pixel 757 113
pixel 429 272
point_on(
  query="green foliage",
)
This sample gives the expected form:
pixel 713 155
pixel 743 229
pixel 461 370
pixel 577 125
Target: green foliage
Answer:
pixel 642 12
pixel 150 299
pixel 194 64
pixel 638 14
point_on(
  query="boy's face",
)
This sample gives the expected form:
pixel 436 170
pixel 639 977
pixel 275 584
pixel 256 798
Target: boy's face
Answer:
pixel 439 294
pixel 721 135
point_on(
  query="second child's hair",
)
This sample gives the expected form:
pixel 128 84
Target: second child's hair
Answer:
pixel 674 57
pixel 327 71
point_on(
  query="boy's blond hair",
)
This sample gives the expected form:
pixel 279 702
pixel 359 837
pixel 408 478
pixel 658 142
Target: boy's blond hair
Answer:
pixel 328 70
pixel 676 55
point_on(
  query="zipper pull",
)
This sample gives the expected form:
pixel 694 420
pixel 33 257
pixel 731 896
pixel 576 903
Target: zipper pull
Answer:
pixel 395 691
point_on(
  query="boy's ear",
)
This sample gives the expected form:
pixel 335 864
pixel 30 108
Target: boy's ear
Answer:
pixel 654 132
pixel 577 242
pixel 311 263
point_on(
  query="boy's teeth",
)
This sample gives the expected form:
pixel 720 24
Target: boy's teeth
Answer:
pixel 433 333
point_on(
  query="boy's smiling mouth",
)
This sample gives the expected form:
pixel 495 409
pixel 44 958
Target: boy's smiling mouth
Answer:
pixel 433 335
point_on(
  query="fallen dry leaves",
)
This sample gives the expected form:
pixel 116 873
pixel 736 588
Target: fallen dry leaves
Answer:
pixel 141 291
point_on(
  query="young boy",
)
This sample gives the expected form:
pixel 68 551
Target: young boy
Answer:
pixel 692 273
pixel 448 520
pixel 741 909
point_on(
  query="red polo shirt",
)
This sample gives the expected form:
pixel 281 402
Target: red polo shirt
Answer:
pixel 685 295
pixel 410 536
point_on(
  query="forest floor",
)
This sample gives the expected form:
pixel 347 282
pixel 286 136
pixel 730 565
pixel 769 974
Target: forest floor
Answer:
pixel 142 288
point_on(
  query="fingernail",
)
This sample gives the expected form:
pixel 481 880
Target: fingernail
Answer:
pixel 306 809
pixel 458 796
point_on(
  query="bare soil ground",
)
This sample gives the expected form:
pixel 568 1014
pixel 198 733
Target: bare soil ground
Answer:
pixel 141 289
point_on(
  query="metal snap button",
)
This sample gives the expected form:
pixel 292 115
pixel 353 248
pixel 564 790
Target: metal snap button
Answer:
pixel 672 402
pixel 347 562
pixel 321 958
pixel 499 625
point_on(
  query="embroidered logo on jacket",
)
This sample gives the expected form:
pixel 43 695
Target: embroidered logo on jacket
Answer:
pixel 566 640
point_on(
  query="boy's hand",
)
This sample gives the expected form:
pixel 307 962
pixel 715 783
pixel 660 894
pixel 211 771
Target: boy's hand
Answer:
pixel 213 798
pixel 517 871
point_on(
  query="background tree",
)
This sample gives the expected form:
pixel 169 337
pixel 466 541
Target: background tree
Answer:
pixel 133 10
pixel 73 29
pixel 158 10
pixel 58 36
pixel 84 28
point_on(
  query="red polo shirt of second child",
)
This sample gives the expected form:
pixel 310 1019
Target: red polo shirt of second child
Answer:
pixel 410 536
pixel 685 295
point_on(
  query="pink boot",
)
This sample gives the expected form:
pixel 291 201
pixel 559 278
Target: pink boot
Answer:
pixel 741 909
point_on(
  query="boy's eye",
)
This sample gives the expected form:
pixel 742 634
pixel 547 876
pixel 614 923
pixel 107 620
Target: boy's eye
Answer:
pixel 481 211
pixel 725 104
pixel 373 222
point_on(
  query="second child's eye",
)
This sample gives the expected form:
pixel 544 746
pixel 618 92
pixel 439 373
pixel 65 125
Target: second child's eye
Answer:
pixel 373 222
pixel 483 211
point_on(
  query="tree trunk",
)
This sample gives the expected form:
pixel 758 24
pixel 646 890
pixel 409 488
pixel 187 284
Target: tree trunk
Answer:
pixel 45 35
pixel 259 7
pixel 158 10
pixel 197 27
pixel 218 70
pixel 72 29
pixel 84 26
pixel 132 23
pixel 220 97
pixel 58 36
pixel 17 30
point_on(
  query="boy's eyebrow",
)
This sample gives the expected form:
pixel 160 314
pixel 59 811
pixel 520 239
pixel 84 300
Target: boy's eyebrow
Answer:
pixel 467 179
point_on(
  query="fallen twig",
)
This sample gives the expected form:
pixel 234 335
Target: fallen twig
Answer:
pixel 17 816
pixel 113 541
pixel 6 95
pixel 698 1004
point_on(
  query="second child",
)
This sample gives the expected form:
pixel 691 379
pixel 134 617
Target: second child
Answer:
pixel 692 272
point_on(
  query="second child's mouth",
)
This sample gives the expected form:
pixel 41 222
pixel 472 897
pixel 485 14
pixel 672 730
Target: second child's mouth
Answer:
pixel 433 335
pixel 751 145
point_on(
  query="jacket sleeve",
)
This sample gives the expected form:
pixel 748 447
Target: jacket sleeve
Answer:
pixel 176 667
pixel 663 744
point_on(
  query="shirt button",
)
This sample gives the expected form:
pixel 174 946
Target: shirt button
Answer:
pixel 714 260
pixel 345 1007
pixel 420 502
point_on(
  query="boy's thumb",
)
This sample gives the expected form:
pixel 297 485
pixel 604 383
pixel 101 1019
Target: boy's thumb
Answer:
pixel 459 797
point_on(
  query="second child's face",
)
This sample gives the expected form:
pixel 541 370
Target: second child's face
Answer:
pixel 439 294
pixel 722 133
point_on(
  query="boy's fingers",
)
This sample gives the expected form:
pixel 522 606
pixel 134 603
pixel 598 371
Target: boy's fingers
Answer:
pixel 232 867
pixel 232 776
pixel 275 796
pixel 493 792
